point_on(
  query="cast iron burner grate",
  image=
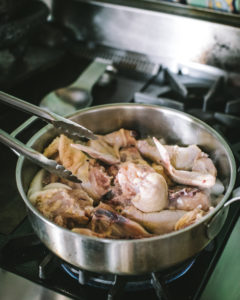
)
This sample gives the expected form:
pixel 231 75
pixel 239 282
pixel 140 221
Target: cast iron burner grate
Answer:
pixel 210 98
pixel 117 284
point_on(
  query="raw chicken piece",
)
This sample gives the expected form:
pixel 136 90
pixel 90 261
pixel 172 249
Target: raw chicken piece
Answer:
pixel 108 222
pixel 147 188
pixel 120 138
pixel 203 180
pixel 116 196
pixel 183 158
pixel 188 198
pixel 158 222
pixel 148 150
pixel 65 207
pixel 106 147
pixel 204 165
pixel 99 149
pixel 189 218
pixel 189 158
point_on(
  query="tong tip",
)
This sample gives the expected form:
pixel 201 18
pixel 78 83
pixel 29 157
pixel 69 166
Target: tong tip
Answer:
pixel 73 129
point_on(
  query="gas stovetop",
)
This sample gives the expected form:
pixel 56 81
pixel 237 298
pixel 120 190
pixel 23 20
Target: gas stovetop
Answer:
pixel 204 92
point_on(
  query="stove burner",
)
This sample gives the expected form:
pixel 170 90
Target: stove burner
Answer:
pixel 233 107
pixel 175 90
pixel 116 284
pixel 210 100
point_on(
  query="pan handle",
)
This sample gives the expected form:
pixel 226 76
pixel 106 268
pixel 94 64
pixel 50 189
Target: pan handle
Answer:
pixel 214 226
pixel 235 199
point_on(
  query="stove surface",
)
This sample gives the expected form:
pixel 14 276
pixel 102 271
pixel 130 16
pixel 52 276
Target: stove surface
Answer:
pixel 209 97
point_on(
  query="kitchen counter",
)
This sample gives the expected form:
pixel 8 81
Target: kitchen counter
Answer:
pixel 13 287
pixel 224 281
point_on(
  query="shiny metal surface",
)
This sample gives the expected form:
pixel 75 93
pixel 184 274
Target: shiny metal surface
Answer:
pixel 159 31
pixel 13 287
pixel 215 225
pixel 64 125
pixel 132 256
pixel 36 157
pixel 77 95
pixel 235 199
pixel 175 8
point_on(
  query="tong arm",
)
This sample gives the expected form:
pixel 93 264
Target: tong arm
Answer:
pixel 27 107
pixel 65 125
pixel 48 164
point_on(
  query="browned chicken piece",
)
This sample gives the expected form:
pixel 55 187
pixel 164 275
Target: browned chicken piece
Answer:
pixel 112 170
pixel 157 222
pixel 50 178
pixel 116 197
pixel 96 185
pixel 195 178
pixel 95 180
pixel 160 169
pixel 98 182
pixel 52 149
pixel 131 154
pixel 147 189
pixel 63 206
pixel 88 232
pixel 189 218
pixel 99 149
pixel 188 198
pixel 72 159
pixel 108 222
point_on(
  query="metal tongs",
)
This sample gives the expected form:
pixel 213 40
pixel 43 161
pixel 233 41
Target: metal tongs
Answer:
pixel 48 164
pixel 64 125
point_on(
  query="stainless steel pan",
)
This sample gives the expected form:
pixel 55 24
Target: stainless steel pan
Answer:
pixel 144 255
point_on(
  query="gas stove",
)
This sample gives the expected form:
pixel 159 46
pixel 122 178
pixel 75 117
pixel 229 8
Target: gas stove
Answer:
pixel 206 92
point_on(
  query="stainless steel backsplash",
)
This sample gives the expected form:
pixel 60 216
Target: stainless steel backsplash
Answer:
pixel 157 34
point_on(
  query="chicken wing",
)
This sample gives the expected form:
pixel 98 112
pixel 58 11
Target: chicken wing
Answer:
pixel 157 222
pixel 188 198
pixel 109 223
pixel 195 178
